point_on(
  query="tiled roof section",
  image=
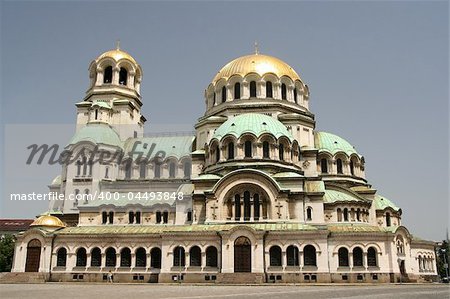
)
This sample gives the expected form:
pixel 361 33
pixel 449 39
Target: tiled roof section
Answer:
pixel 171 146
pixel 332 196
pixel 327 142
pixel 15 224
pixel 254 123
pixel 382 203
pixel 97 133
pixel 161 229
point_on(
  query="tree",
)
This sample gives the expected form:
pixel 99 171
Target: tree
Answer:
pixel 442 250
pixel 6 252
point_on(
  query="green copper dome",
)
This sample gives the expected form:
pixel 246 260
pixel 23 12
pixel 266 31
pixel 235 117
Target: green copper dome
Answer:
pixel 97 133
pixel 253 123
pixel 327 142
pixel 382 203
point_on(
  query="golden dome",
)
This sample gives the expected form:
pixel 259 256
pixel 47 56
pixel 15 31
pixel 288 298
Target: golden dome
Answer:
pixel 256 63
pixel 117 55
pixel 48 221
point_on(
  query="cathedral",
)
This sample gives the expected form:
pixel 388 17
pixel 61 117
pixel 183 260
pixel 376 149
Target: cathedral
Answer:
pixel 253 194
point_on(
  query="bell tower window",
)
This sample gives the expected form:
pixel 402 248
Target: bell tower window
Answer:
pixel 96 114
pixel 248 149
pixel 107 78
pixel 253 89
pixel 224 94
pixel 123 74
pixel 295 95
pixel 266 150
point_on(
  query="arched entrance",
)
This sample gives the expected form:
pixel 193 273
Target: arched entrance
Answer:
pixel 33 256
pixel 242 255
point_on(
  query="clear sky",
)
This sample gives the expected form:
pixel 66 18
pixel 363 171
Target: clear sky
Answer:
pixel 377 72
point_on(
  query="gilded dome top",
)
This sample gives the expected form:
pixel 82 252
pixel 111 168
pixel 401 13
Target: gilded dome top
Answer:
pixel 117 55
pixel 48 221
pixel 256 63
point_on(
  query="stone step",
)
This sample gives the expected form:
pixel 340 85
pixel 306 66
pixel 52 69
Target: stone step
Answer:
pixel 241 278
pixel 22 277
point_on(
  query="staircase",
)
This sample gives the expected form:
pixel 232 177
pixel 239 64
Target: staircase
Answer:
pixel 241 278
pixel 22 277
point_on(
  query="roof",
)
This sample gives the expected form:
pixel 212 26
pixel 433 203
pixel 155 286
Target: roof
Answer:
pixel 15 225
pixel 57 180
pixel 256 63
pixel 254 123
pixel 332 196
pixel 101 104
pixel 171 146
pixel 327 142
pixel 48 221
pixel 117 55
pixel 382 203
pixel 356 227
pixel 160 229
pixel 98 133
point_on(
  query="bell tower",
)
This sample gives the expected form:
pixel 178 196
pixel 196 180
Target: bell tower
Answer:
pixel 113 96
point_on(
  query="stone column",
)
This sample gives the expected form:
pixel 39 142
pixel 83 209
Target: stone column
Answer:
pixel 130 79
pixel 149 260
pixel 88 259
pixel 252 209
pixel 350 259
pixel 133 260
pixel 203 260
pixel 117 259
pixel 103 260
pixel 283 259
pixel 100 76
pixel 115 76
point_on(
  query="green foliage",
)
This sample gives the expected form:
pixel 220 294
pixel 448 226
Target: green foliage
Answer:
pixel 441 251
pixel 6 253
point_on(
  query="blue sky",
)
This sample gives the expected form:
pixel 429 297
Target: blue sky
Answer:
pixel 377 72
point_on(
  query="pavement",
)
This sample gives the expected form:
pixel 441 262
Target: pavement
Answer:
pixel 174 291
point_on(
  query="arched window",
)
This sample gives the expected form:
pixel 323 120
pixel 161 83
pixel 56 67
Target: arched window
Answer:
pixel 142 170
pixel 77 192
pixel 309 214
pixel 61 257
pixel 78 168
pixel 275 256
pixel 295 95
pixel 343 257
pixel 155 256
pixel 357 257
pixel 292 256
pixel 111 217
pixel 214 98
pixel 131 217
pixel 358 214
pixel 266 150
pixel 96 257
pixel 324 165
pixel 107 76
pixel 345 214
pixel 371 257
pixel 137 217
pixel 141 258
pixel 281 152
pixel 172 170
pixel 309 256
pixel 247 206
pixel 339 215
pixel 165 217
pixel 110 257
pixel 128 169
pixel 388 219
pixel 211 257
pixel 269 93
pixel 352 167
pixel 217 153
pixel 81 257
pixel 157 172
pixel 125 257
pixel 224 94
pixel 230 150
pixel 339 166
pixel 237 91
pixel 195 257
pixel 85 166
pixel 96 114
pixel 104 217
pixel 123 76
pixel 248 149
pixel 158 217
pixel 106 172
pixel 256 205
pixel 179 257
pixel 253 89
pixel 283 92
pixel 187 170
pixel 189 216
pixel 237 207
